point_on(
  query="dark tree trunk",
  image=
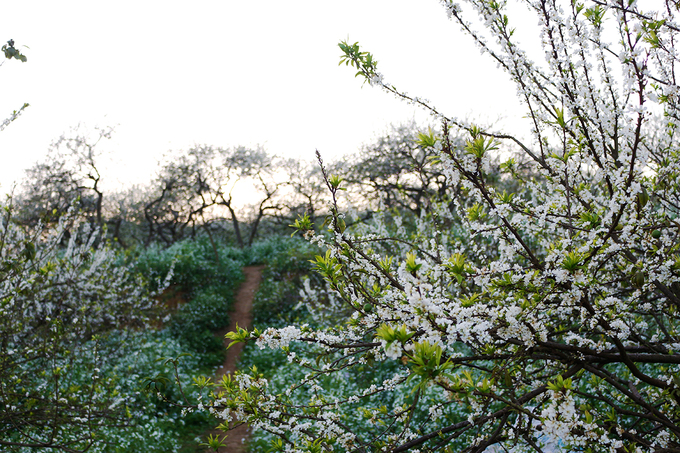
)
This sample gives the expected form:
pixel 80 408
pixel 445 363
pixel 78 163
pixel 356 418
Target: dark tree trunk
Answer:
pixel 237 228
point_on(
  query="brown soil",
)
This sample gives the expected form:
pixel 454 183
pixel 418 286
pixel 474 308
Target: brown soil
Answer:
pixel 241 315
pixel 169 301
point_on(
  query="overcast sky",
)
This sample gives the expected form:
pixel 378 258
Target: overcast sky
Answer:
pixel 170 74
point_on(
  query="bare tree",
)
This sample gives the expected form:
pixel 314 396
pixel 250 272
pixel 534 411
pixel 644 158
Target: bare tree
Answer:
pixel 396 171
pixel 69 173
pixel 207 184
pixel 305 190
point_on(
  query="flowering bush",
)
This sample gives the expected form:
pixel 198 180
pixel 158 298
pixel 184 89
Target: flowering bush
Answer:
pixel 61 311
pixel 544 317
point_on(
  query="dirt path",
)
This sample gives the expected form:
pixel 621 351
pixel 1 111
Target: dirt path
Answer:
pixel 242 314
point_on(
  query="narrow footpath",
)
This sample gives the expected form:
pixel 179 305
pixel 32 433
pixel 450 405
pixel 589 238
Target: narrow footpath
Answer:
pixel 241 314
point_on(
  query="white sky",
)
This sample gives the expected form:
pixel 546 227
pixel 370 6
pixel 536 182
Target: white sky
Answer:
pixel 170 74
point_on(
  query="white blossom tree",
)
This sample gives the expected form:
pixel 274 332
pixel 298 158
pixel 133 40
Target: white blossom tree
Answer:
pixel 70 171
pixel 538 319
pixel 208 183
pixel 57 306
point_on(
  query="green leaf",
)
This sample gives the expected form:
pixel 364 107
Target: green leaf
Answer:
pixel 427 140
pixel 476 212
pixel 572 262
pixel 215 441
pixel 595 15
pixel 239 336
pixel 411 265
pixel 479 146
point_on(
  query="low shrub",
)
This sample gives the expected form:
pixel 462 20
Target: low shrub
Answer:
pixel 192 264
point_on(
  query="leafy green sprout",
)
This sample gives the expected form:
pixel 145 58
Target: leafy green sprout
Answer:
pixel 559 118
pixel 509 166
pixel 386 263
pixel 427 139
pixel 202 382
pixel 363 61
pixel 590 219
pixel 566 155
pixel 560 384
pixel 479 146
pixel 391 334
pixel 241 335
pixel 327 266
pixel 595 15
pixel 303 223
pixel 276 445
pixel 458 266
pixel 476 212
pixel 335 181
pixel 573 261
pixel 316 446
pixel 426 363
pixel 12 52
pixel 214 442
pixel 411 265
pixel 651 29
pixel 505 197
